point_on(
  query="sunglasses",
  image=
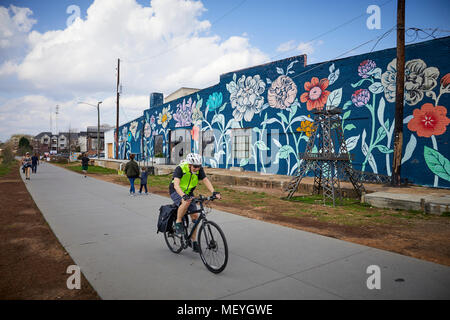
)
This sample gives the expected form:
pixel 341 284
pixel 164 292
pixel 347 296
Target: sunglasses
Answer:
pixel 196 166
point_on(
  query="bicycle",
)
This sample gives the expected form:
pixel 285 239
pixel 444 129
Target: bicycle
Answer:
pixel 213 248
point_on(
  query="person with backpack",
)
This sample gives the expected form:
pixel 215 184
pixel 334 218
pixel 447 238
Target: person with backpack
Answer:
pixel 132 171
pixel 185 178
pixel 144 175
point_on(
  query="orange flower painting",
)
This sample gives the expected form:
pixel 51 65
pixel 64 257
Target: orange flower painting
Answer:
pixel 429 120
pixel 315 96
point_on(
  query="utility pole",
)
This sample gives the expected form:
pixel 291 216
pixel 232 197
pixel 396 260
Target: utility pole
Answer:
pixel 117 110
pixel 98 129
pixel 399 99
pixel 57 133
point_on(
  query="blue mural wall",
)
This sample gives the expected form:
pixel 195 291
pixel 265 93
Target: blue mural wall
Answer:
pixel 275 101
pixel 130 139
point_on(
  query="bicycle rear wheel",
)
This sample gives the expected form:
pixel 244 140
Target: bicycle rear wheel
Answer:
pixel 173 240
pixel 213 247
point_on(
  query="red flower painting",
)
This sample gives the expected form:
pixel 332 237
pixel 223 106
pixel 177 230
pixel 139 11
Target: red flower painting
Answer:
pixel 316 95
pixel 429 120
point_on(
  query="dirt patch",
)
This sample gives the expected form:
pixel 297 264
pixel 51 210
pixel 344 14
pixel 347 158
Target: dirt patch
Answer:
pixel 33 263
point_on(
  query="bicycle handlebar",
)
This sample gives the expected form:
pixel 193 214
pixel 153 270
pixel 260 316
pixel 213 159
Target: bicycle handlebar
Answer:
pixel 201 198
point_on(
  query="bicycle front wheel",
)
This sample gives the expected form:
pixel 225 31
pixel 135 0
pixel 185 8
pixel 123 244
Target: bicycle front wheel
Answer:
pixel 213 247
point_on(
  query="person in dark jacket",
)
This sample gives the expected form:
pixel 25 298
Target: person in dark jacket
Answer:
pixel 84 164
pixel 132 171
pixel 144 175
pixel 34 163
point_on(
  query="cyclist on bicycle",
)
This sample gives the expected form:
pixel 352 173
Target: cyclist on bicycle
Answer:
pixel 185 178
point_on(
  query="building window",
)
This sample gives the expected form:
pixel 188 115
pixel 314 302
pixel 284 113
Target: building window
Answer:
pixel 241 143
pixel 208 143
pixel 158 145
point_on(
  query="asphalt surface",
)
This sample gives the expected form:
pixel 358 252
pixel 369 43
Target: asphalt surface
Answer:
pixel 112 238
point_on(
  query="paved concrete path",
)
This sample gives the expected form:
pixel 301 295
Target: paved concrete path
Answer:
pixel 112 237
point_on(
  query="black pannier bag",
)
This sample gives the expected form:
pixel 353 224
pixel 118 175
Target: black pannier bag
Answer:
pixel 166 214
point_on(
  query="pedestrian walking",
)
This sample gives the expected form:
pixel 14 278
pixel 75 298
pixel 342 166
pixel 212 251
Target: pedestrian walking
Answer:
pixel 132 172
pixel 26 163
pixel 34 163
pixel 84 164
pixel 144 175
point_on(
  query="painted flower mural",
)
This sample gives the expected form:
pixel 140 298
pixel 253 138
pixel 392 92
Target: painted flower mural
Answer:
pixel 183 116
pixel 315 96
pixel 197 114
pixel 153 122
pixel 365 68
pixel 133 128
pixel 214 101
pixel 164 117
pixel 282 92
pixel 445 84
pixel 429 120
pixel 246 96
pixel 418 79
pixel 361 97
pixel 147 130
pixel 124 134
pixel 306 127
pixel 195 133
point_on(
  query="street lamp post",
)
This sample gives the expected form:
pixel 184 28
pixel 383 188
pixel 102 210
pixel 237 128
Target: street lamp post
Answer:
pixel 98 124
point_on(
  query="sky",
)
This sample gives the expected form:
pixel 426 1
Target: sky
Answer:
pixel 62 52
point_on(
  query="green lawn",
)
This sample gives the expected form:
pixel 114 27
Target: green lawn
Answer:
pixel 349 212
pixel 91 169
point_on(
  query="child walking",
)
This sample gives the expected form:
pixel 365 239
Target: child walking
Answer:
pixel 144 175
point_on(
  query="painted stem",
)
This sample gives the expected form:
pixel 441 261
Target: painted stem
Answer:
pixel 435 147
pixel 369 152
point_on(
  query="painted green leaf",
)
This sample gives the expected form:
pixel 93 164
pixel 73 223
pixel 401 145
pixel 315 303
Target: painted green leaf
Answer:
pixel 261 145
pixel 244 162
pixel 384 149
pixel 381 133
pixel 346 115
pixel 437 163
pixel 350 126
pixel 283 117
pixel 357 84
pixel 347 104
pixel 334 98
pixel 376 88
pixel 285 151
pixel 222 107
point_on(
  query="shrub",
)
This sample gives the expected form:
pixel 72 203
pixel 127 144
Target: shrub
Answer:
pixel 8 156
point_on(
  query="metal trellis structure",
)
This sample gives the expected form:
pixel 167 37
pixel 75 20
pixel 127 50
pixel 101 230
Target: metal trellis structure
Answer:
pixel 330 162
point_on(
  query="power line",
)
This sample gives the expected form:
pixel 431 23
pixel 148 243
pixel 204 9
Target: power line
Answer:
pixel 383 36
pixel 414 32
pixel 343 54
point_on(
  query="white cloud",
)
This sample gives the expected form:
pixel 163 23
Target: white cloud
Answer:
pixel 162 48
pixel 286 46
pixel 307 48
pixel 15 23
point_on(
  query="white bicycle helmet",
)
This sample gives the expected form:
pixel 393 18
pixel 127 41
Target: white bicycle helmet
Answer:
pixel 194 158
